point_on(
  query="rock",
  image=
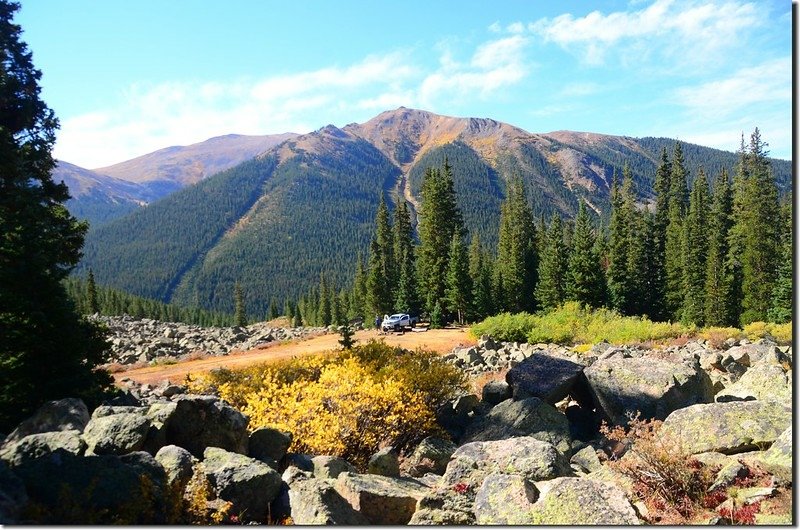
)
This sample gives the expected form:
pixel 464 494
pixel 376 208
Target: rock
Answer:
pixel 12 496
pixel 160 414
pixel 728 428
pixel 778 458
pixel 586 459
pixel 385 462
pixel 178 464
pixel 504 500
pixel 316 501
pixel 37 445
pixel 382 500
pixel 581 501
pixel 548 378
pixel 430 456
pixel 269 443
pixel 331 466
pixel 495 392
pixel 444 507
pixel 524 456
pixel 465 404
pixel 655 387
pixel 109 410
pixel 300 461
pixel 762 381
pixel 728 474
pixel 117 434
pixel 248 484
pixel 528 417
pixel 68 414
pixel 199 422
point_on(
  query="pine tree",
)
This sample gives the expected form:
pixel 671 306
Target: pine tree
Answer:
pixel 379 295
pixel 385 239
pixel 406 292
pixel 273 312
pixel 458 289
pixel 297 321
pixel 517 257
pixel 550 291
pixel 584 276
pixel 347 342
pixel 91 294
pixel 696 251
pixel 673 241
pixel 240 314
pixel 325 313
pixel 618 237
pixel 481 275
pixel 717 289
pixel 358 299
pixel 439 219
pixel 659 235
pixel 639 249
pixel 782 292
pixel 288 310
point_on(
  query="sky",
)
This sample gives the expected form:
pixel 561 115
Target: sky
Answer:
pixel 129 77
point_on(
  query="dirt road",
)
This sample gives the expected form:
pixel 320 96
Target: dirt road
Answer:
pixel 439 340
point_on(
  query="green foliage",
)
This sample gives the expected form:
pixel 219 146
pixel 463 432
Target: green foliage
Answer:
pixel 240 314
pixel 550 290
pixel 481 275
pixel 584 275
pixel 782 292
pixel 437 318
pixel 91 294
pixel 47 351
pixel 517 258
pixel 718 276
pixel 347 342
pixel 509 327
pixel 458 287
pixel 696 251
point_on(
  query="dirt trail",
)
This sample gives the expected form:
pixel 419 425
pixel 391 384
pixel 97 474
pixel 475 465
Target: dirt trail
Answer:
pixel 439 340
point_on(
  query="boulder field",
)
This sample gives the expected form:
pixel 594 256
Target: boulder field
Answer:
pixel 527 450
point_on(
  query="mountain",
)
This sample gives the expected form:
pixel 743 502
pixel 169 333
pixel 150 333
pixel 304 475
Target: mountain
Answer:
pixel 307 205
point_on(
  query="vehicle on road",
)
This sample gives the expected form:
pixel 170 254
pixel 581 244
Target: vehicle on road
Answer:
pixel 399 321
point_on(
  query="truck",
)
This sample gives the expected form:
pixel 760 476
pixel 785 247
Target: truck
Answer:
pixel 398 322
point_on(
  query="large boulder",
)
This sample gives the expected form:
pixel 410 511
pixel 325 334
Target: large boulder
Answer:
pixel 117 434
pixel 315 501
pixel 12 495
pixel 69 414
pixel 385 462
pixel 159 414
pixel 581 501
pixel 37 445
pixel 178 464
pixel 525 456
pixel 382 500
pixel 248 484
pixel 504 500
pixel 654 387
pixel 548 378
pixel 331 466
pixel 729 428
pixel 528 417
pixel 199 422
pixel 430 456
pixel 495 392
pixel 268 444
pixel 444 506
pixel 778 458
pixel 762 381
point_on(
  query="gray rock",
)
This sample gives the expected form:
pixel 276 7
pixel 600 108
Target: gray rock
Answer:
pixel 160 415
pixel 178 464
pixel 316 501
pixel 269 443
pixel 778 458
pixel 331 466
pixel 581 501
pixel 465 404
pixel 728 428
pixel 762 381
pixel 548 378
pixel 109 410
pixel 12 496
pixel 68 414
pixel 300 461
pixel 528 417
pixel 430 456
pixel 385 462
pixel 117 434
pixel 37 445
pixel 728 474
pixel 199 422
pixel 495 392
pixel 504 500
pixel 444 507
pixel 248 484
pixel 654 387
pixel 382 500
pixel 586 459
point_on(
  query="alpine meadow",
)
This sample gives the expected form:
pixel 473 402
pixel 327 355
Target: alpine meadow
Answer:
pixel 368 264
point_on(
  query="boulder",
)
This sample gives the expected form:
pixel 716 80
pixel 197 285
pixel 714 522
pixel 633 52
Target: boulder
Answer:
pixel 199 422
pixel 430 456
pixel 68 414
pixel 109 410
pixel 729 428
pixel 12 495
pixel 444 507
pixel 382 500
pixel 117 434
pixel 548 378
pixel 248 484
pixel 778 458
pixel 37 445
pixel 762 381
pixel 655 387
pixel 159 414
pixel 495 392
pixel 524 456
pixel 178 464
pixel 581 501
pixel 315 501
pixel 528 417
pixel 268 443
pixel 586 459
pixel 385 462
pixel 504 500
pixel 331 466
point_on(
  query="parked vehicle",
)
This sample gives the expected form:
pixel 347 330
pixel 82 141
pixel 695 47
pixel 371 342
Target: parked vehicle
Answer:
pixel 398 321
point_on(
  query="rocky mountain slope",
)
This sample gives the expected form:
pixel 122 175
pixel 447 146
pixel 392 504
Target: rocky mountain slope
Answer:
pixel 307 204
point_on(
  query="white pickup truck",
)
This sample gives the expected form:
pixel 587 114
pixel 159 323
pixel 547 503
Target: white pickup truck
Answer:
pixel 398 322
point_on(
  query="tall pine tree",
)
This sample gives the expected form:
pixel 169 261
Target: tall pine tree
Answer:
pixel 552 267
pixel 673 241
pixel 517 257
pixel 458 292
pixel 239 313
pixel 584 276
pixel 718 300
pixel 618 282
pixel 696 252
pixel 481 275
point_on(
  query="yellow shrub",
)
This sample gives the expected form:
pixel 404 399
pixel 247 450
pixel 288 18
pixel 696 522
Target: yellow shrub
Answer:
pixel 755 330
pixel 782 332
pixel 716 336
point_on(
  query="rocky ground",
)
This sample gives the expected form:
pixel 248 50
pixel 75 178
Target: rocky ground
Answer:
pixel 526 450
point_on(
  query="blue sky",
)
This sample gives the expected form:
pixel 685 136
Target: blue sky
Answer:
pixel 129 77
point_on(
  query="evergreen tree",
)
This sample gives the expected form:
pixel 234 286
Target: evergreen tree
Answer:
pixel 47 350
pixel 618 237
pixel 273 311
pixel 91 295
pixel 288 310
pixel 347 342
pixel 406 292
pixel 782 292
pixel 342 308
pixel 696 251
pixel 240 314
pixel 659 235
pixel 517 257
pixel 673 240
pixel 379 295
pixel 639 250
pixel 584 276
pixel 550 290
pixel 481 276
pixel 717 289
pixel 385 239
pixel 733 262
pixel 439 219
pixel 458 289
pixel 358 300
pixel 325 313
pixel 297 321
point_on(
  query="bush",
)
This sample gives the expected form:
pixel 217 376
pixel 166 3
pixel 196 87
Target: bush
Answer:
pixel 506 327
pixel 716 336
pixel 758 330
